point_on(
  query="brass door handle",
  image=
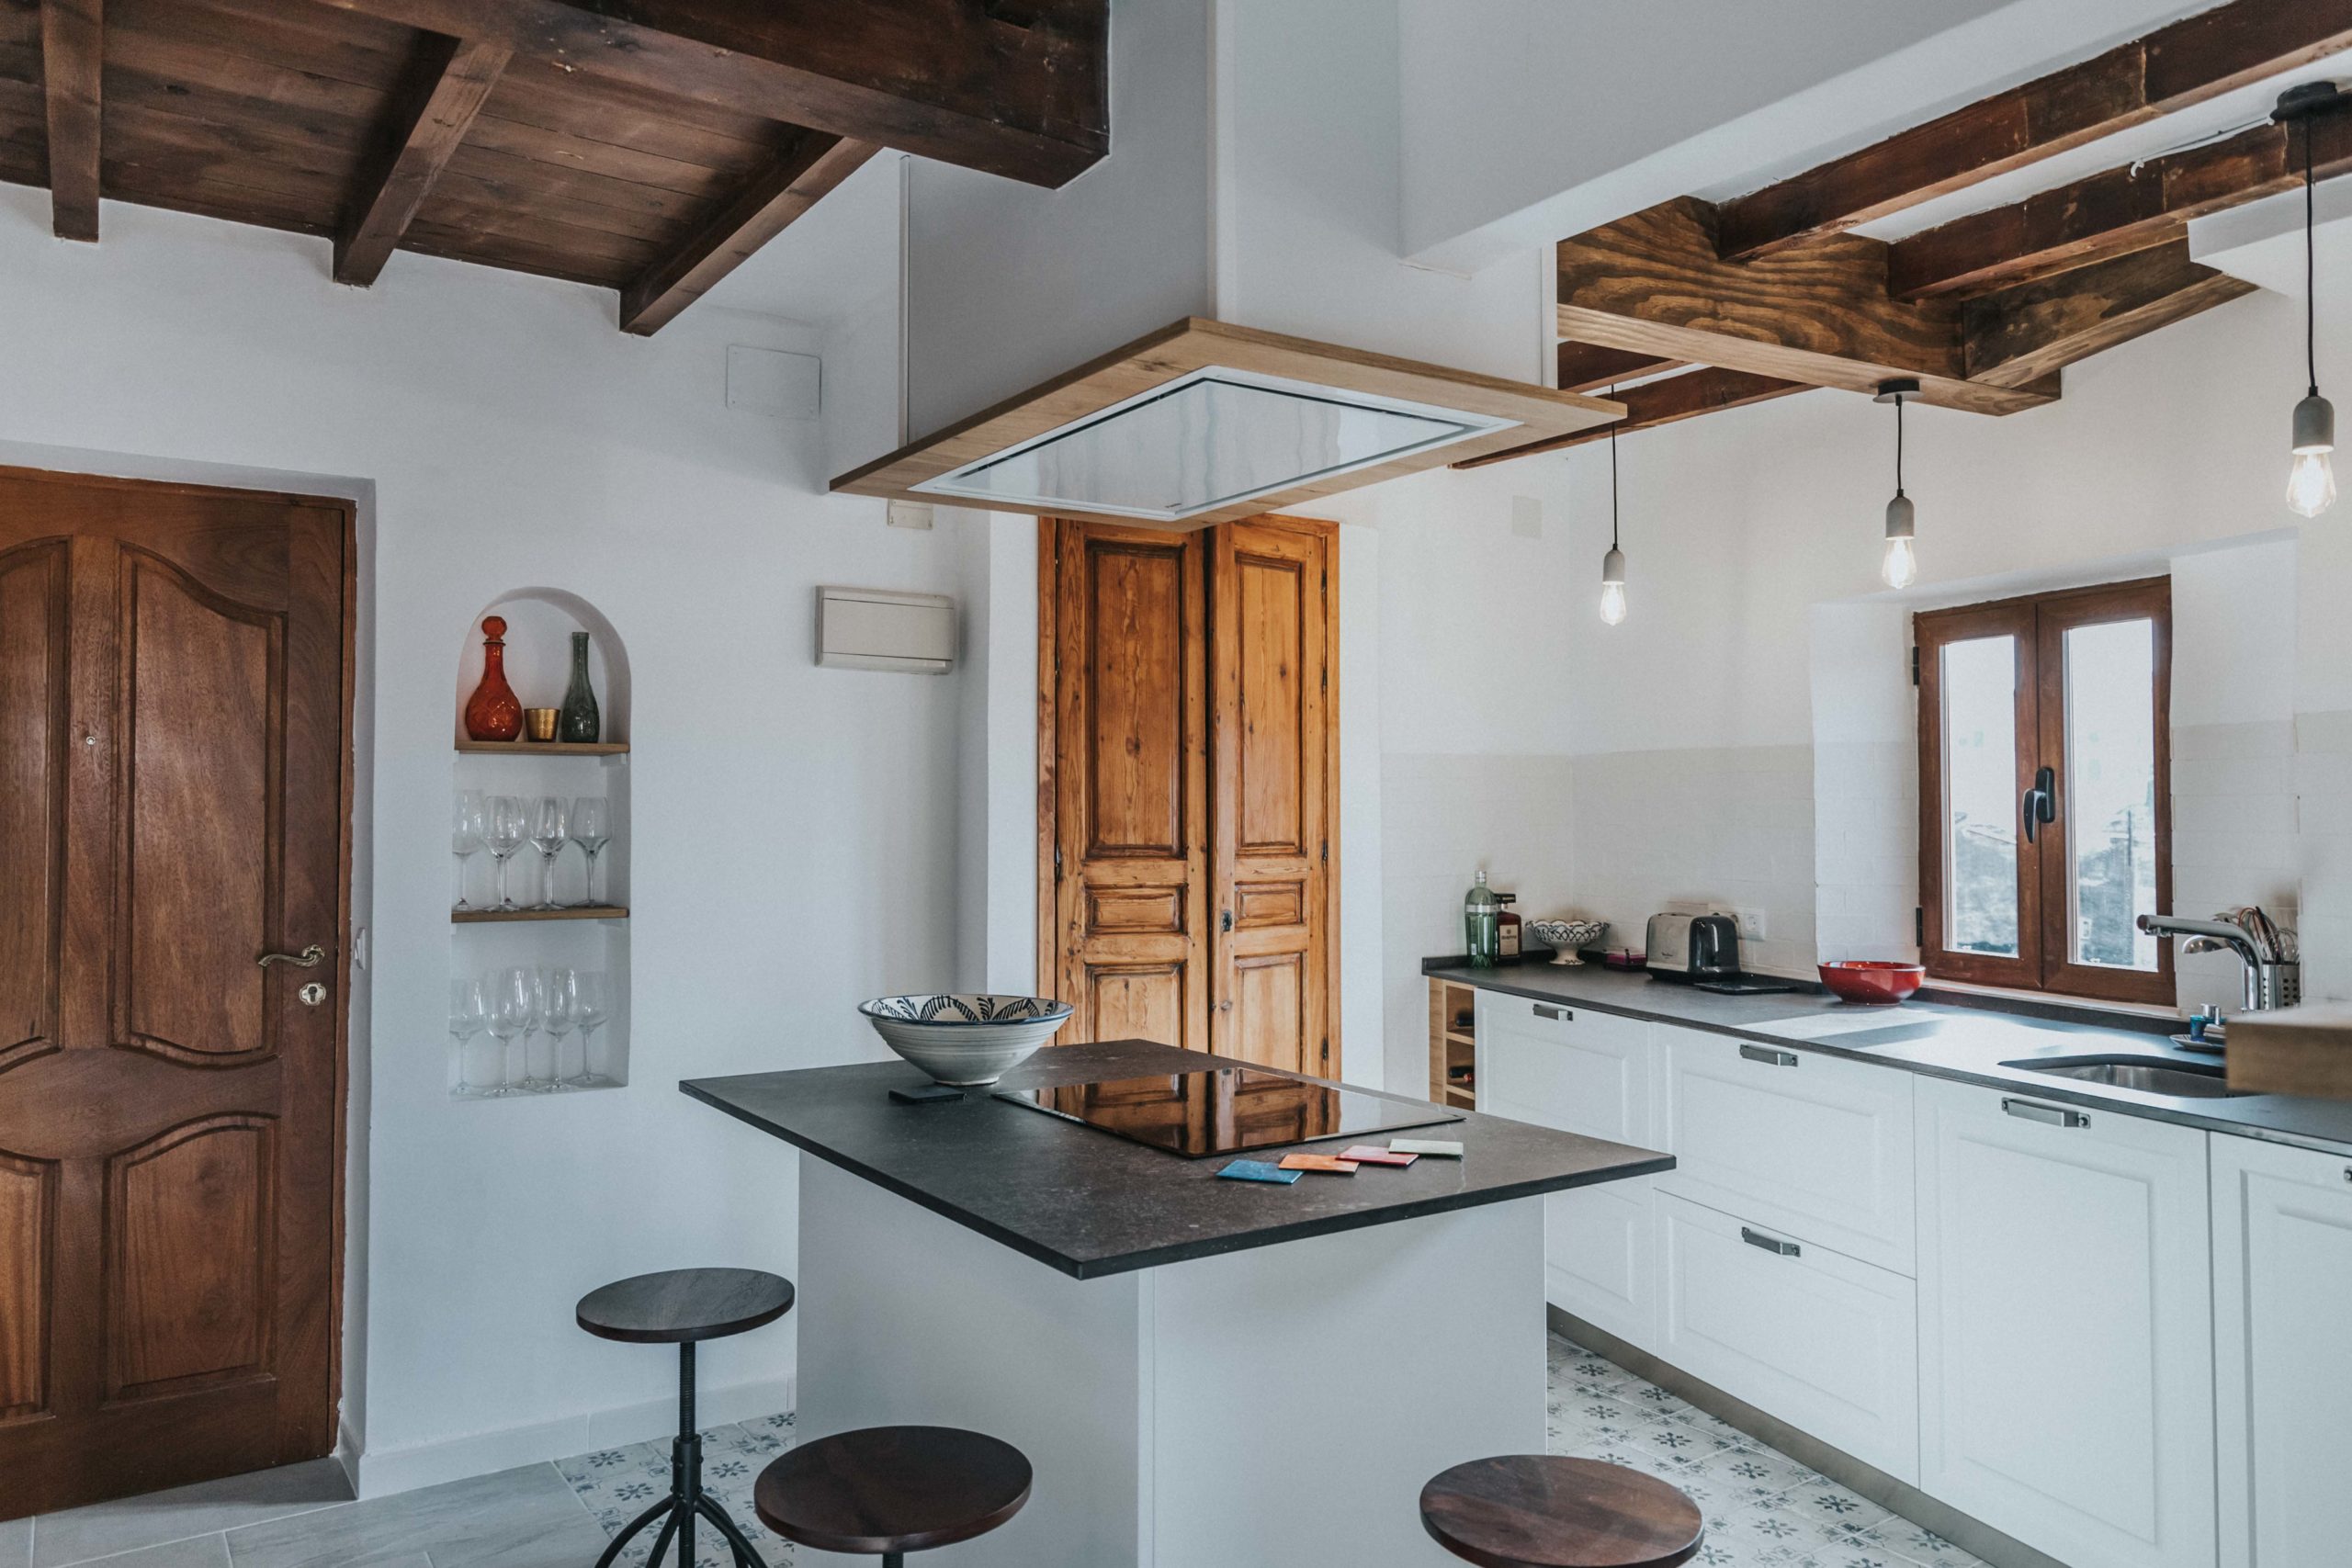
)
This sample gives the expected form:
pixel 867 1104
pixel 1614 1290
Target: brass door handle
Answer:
pixel 310 957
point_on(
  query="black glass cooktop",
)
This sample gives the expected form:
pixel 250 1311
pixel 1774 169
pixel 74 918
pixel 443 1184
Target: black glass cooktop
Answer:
pixel 1224 1111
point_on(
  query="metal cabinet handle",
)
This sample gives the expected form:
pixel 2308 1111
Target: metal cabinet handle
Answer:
pixel 1558 1015
pixel 1769 1056
pixel 309 958
pixel 2052 1115
pixel 1771 1244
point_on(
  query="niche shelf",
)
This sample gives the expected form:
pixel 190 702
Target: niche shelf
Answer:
pixel 484 941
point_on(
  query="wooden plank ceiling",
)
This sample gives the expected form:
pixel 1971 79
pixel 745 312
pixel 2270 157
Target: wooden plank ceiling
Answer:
pixel 644 146
pixel 1709 307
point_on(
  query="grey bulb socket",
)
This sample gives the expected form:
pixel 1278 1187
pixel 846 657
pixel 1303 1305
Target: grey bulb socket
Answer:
pixel 1900 517
pixel 2314 425
pixel 1613 567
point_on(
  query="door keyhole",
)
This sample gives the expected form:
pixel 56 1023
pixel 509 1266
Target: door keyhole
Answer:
pixel 312 994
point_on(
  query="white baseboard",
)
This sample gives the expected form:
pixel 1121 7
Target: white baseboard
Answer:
pixel 376 1473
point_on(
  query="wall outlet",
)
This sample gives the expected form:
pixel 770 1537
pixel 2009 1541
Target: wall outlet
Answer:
pixel 1751 924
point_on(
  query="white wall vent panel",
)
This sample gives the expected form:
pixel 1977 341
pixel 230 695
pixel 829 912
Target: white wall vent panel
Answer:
pixel 873 628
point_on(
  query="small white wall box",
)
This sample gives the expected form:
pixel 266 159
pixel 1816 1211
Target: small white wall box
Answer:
pixel 873 628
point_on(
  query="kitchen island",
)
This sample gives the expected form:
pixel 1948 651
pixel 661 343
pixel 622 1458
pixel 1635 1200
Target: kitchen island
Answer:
pixel 1203 1372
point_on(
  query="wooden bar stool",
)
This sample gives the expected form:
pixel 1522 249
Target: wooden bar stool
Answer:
pixel 1542 1511
pixel 888 1491
pixel 682 1307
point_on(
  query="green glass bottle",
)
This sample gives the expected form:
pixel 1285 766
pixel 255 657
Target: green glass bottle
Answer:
pixel 579 722
pixel 1482 916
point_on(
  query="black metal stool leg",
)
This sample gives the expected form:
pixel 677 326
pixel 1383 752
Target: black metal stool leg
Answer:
pixel 644 1520
pixel 745 1557
pixel 661 1541
pixel 685 1459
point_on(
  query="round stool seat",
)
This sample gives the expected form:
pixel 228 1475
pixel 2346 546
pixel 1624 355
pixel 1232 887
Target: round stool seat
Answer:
pixel 892 1489
pixel 682 1305
pixel 1542 1511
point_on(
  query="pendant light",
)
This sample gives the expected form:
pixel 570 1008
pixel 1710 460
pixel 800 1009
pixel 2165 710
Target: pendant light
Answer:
pixel 2311 483
pixel 1901 565
pixel 1612 565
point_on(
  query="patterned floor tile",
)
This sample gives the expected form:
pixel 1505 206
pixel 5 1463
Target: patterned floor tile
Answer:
pixel 618 1484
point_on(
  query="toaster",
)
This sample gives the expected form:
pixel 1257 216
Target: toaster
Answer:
pixel 1694 947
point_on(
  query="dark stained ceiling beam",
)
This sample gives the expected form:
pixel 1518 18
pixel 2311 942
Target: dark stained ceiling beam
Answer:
pixel 2114 212
pixel 2018 335
pixel 446 88
pixel 1022 92
pixel 1585 368
pixel 1817 313
pixel 796 182
pixel 71 38
pixel 2175 67
pixel 1705 390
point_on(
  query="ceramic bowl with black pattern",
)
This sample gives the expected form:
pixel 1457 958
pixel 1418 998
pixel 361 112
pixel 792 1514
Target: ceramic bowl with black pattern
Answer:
pixel 965 1039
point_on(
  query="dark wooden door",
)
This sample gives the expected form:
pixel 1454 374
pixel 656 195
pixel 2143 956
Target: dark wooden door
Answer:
pixel 173 731
pixel 1270 755
pixel 1125 894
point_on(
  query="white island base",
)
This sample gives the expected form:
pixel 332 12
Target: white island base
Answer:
pixel 1278 1407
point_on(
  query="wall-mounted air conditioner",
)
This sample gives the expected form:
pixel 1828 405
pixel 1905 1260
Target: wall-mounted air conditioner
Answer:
pixel 874 628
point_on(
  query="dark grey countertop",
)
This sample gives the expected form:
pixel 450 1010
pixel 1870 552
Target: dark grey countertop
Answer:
pixel 1968 1044
pixel 1090 1203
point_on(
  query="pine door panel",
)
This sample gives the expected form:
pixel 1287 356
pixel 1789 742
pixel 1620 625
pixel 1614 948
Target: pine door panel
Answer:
pixel 174 716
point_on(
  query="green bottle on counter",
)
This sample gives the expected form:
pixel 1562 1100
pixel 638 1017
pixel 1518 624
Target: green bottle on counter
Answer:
pixel 1482 920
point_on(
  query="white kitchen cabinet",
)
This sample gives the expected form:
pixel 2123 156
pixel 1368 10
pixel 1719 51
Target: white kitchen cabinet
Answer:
pixel 1801 1143
pixel 1583 1072
pixel 2282 1284
pixel 2065 1326
pixel 1822 1341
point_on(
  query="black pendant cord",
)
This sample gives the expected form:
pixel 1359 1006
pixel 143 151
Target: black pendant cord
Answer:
pixel 2311 264
pixel 1898 444
pixel 1613 478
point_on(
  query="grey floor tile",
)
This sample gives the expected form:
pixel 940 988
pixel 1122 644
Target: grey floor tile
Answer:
pixel 518 1519
pixel 198 1552
pixel 208 1507
pixel 16 1543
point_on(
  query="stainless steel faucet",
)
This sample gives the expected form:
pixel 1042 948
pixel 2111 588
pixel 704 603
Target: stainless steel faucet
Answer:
pixel 2274 973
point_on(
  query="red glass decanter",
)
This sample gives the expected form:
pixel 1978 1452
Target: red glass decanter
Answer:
pixel 493 712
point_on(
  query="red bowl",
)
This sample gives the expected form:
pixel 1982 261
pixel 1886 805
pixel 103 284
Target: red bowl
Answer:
pixel 1871 980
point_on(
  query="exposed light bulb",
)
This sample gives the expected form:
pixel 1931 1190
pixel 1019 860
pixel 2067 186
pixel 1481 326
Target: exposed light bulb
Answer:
pixel 2311 484
pixel 1612 586
pixel 1901 566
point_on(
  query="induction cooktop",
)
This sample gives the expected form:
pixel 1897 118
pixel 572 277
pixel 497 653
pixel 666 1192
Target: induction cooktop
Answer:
pixel 1223 1110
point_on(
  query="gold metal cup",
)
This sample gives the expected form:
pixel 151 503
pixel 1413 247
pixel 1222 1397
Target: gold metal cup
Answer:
pixel 538 724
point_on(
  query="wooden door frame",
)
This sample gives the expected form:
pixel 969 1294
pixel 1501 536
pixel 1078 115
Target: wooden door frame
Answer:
pixel 1048 960
pixel 339 1147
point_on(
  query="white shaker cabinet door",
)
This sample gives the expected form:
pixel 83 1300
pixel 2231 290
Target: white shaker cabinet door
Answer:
pixel 2282 1333
pixel 1587 1072
pixel 2065 1326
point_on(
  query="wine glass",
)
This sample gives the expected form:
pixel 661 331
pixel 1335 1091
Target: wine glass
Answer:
pixel 592 1005
pixel 467 1013
pixel 551 822
pixel 592 829
pixel 510 1009
pixel 502 832
pixel 562 1013
pixel 535 984
pixel 465 837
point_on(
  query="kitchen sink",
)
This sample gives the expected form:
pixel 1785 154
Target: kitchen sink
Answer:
pixel 2149 1074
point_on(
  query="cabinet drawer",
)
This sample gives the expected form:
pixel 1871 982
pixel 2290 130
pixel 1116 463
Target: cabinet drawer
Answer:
pixel 1820 1340
pixel 1600 1258
pixel 1803 1144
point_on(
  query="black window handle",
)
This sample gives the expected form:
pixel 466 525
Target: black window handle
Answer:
pixel 2041 805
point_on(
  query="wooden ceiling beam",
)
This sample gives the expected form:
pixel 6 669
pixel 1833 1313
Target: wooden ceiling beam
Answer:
pixel 2175 67
pixel 1021 90
pixel 72 34
pixel 791 186
pixel 1668 401
pixel 1585 367
pixel 2018 335
pixel 2114 212
pixel 435 106
pixel 1817 313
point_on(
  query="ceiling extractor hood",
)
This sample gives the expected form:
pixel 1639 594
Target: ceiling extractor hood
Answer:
pixel 1202 423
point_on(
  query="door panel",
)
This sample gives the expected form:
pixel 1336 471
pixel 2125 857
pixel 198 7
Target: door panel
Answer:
pixel 177 733
pixel 1128 784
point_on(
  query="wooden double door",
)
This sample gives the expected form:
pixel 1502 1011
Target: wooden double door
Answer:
pixel 1189 744
pixel 174 735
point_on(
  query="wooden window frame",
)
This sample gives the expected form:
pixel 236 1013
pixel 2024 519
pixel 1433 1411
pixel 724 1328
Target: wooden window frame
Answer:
pixel 2038 624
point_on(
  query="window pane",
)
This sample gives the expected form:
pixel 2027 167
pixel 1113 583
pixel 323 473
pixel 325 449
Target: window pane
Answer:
pixel 1979 680
pixel 2111 792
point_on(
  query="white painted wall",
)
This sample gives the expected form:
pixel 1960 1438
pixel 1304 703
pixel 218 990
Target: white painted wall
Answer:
pixel 795 828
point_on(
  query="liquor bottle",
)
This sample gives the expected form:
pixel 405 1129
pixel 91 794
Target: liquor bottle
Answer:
pixel 1482 924
pixel 493 712
pixel 580 722
pixel 1506 950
